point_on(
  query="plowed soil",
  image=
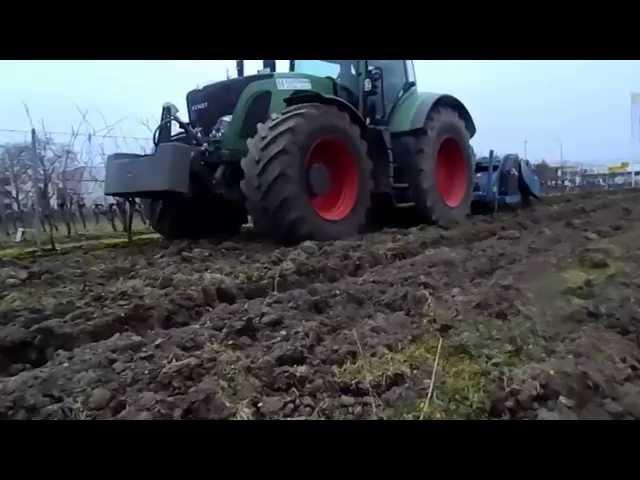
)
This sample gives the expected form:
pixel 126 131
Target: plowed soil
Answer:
pixel 535 313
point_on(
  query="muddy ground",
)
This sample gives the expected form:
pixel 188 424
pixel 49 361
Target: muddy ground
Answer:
pixel 535 312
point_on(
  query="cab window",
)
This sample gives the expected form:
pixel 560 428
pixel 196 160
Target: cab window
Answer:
pixel 394 77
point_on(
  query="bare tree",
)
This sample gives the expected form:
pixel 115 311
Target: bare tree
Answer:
pixel 55 160
pixel 45 210
pixel 15 166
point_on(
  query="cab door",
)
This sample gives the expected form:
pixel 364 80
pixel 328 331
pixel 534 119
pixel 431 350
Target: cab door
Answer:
pixel 389 88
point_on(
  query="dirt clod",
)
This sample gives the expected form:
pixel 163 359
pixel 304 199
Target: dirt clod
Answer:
pixel 509 235
pixel 99 398
pixel 594 260
pixel 271 405
pixel 347 401
pixel 309 248
pixel 209 296
pixel 164 282
pixel 287 355
pixel 544 414
pixel 613 408
pixel 573 223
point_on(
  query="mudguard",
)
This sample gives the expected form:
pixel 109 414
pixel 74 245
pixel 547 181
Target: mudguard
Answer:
pixel 314 97
pixel 240 128
pixel 411 111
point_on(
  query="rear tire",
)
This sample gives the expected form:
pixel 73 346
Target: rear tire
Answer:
pixel 193 218
pixel 442 177
pixel 281 198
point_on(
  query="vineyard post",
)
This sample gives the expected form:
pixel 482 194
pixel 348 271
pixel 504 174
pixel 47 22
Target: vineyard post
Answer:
pixel 34 160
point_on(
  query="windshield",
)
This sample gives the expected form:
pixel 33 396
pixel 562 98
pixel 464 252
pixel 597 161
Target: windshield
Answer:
pixel 326 68
pixel 321 68
pixel 344 72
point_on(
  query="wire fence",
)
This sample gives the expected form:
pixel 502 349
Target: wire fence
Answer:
pixel 50 180
pixel 50 177
pixel 107 143
pixel 90 149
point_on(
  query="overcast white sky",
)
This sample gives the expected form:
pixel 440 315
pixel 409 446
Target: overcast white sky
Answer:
pixel 585 104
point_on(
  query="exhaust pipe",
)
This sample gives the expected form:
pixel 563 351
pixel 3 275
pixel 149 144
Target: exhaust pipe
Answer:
pixel 269 66
pixel 240 68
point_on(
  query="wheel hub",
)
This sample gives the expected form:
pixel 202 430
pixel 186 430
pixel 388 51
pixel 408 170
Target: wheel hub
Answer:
pixel 452 179
pixel 319 179
pixel 332 176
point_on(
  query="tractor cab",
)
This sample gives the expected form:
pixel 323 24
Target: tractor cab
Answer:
pixel 344 73
pixel 373 87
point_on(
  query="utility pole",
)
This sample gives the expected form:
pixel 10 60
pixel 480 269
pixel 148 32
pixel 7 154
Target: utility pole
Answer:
pixel 34 159
pixel 525 148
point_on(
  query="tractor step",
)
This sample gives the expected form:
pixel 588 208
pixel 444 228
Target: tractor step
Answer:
pixel 405 205
pixel 400 185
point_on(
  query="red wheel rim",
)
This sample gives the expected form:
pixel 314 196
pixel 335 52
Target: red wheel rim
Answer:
pixel 452 177
pixel 342 168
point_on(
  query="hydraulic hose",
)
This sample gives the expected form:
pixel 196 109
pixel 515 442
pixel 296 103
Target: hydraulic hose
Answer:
pixel 185 127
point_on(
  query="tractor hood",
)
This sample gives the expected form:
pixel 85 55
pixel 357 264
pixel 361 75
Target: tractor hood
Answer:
pixel 208 104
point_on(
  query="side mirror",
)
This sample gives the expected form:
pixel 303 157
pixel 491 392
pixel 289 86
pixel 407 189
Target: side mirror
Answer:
pixel 268 66
pixel 372 81
pixel 368 85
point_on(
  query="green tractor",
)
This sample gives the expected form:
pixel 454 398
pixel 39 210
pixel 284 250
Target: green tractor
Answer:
pixel 315 153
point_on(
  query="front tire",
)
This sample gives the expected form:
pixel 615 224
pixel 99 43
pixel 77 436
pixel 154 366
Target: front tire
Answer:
pixel 307 175
pixel 442 177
